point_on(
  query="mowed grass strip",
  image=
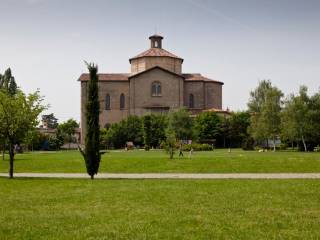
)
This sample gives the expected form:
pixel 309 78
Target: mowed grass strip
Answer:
pixel 167 209
pixel 157 161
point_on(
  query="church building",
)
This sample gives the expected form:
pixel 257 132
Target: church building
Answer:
pixel 155 84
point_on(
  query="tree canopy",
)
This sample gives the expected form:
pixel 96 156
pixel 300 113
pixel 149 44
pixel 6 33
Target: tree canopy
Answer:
pixel 182 124
pixel 68 129
pixel 208 126
pixel 300 118
pixel 265 106
pixel 18 115
pixel 8 83
pixel 51 120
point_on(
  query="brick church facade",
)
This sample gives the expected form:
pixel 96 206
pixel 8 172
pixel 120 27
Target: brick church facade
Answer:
pixel 155 84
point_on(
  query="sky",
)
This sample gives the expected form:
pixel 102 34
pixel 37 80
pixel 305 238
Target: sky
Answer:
pixel 45 42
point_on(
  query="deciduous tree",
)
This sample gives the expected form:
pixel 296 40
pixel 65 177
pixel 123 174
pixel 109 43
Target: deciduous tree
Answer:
pixel 68 129
pixel 208 126
pixel 239 123
pixel 270 114
pixel 170 142
pixel 265 107
pixel 134 131
pixel 301 118
pixel 182 124
pixel 18 115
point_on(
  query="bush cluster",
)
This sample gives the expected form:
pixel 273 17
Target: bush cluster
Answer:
pixel 197 147
pixel 151 131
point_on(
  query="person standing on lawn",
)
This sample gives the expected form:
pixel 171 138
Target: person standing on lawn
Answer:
pixel 180 150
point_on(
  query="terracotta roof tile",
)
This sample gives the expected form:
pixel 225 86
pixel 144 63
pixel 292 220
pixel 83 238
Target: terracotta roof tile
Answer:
pixel 156 67
pixel 155 52
pixel 126 76
pixel 107 77
pixel 198 77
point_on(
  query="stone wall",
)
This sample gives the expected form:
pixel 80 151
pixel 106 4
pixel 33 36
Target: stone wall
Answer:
pixel 213 95
pixel 206 94
pixel 197 89
pixel 142 64
pixel 141 98
pixel 114 89
pixel 115 114
pixel 138 65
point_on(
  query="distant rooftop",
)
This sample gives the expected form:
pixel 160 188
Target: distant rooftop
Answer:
pixel 155 52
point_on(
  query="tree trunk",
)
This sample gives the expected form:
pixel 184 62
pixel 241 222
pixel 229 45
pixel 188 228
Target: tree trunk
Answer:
pixel 274 144
pixel 304 143
pixel 171 153
pixel 11 153
pixel 3 150
pixel 92 176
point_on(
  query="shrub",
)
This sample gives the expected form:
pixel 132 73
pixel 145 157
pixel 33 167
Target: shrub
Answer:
pixel 54 143
pixel 197 147
pixel 283 146
pixel 248 144
pixel 146 147
pixel 162 145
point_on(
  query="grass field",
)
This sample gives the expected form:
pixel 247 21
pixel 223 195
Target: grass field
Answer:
pixel 218 161
pixel 167 209
pixel 161 209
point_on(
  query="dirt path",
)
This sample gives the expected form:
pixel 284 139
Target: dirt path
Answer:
pixel 171 175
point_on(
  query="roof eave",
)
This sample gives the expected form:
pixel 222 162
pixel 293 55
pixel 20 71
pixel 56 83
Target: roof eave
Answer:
pixel 213 81
pixel 149 69
pixel 201 80
pixel 84 79
pixel 130 59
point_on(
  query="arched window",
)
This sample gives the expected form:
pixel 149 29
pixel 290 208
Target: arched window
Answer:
pixel 122 101
pixel 191 101
pixel 107 102
pixel 156 89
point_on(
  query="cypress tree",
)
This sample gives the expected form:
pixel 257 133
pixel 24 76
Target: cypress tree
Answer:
pixel 3 141
pixel 12 89
pixel 1 81
pixel 8 85
pixel 91 153
pixel 6 79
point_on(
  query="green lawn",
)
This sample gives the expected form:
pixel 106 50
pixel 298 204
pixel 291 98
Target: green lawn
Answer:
pixel 166 209
pixel 218 161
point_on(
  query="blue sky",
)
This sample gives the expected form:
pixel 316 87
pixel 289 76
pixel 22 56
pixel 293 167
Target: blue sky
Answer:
pixel 237 42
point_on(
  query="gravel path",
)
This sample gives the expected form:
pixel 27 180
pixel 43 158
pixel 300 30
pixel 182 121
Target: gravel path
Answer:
pixel 171 175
